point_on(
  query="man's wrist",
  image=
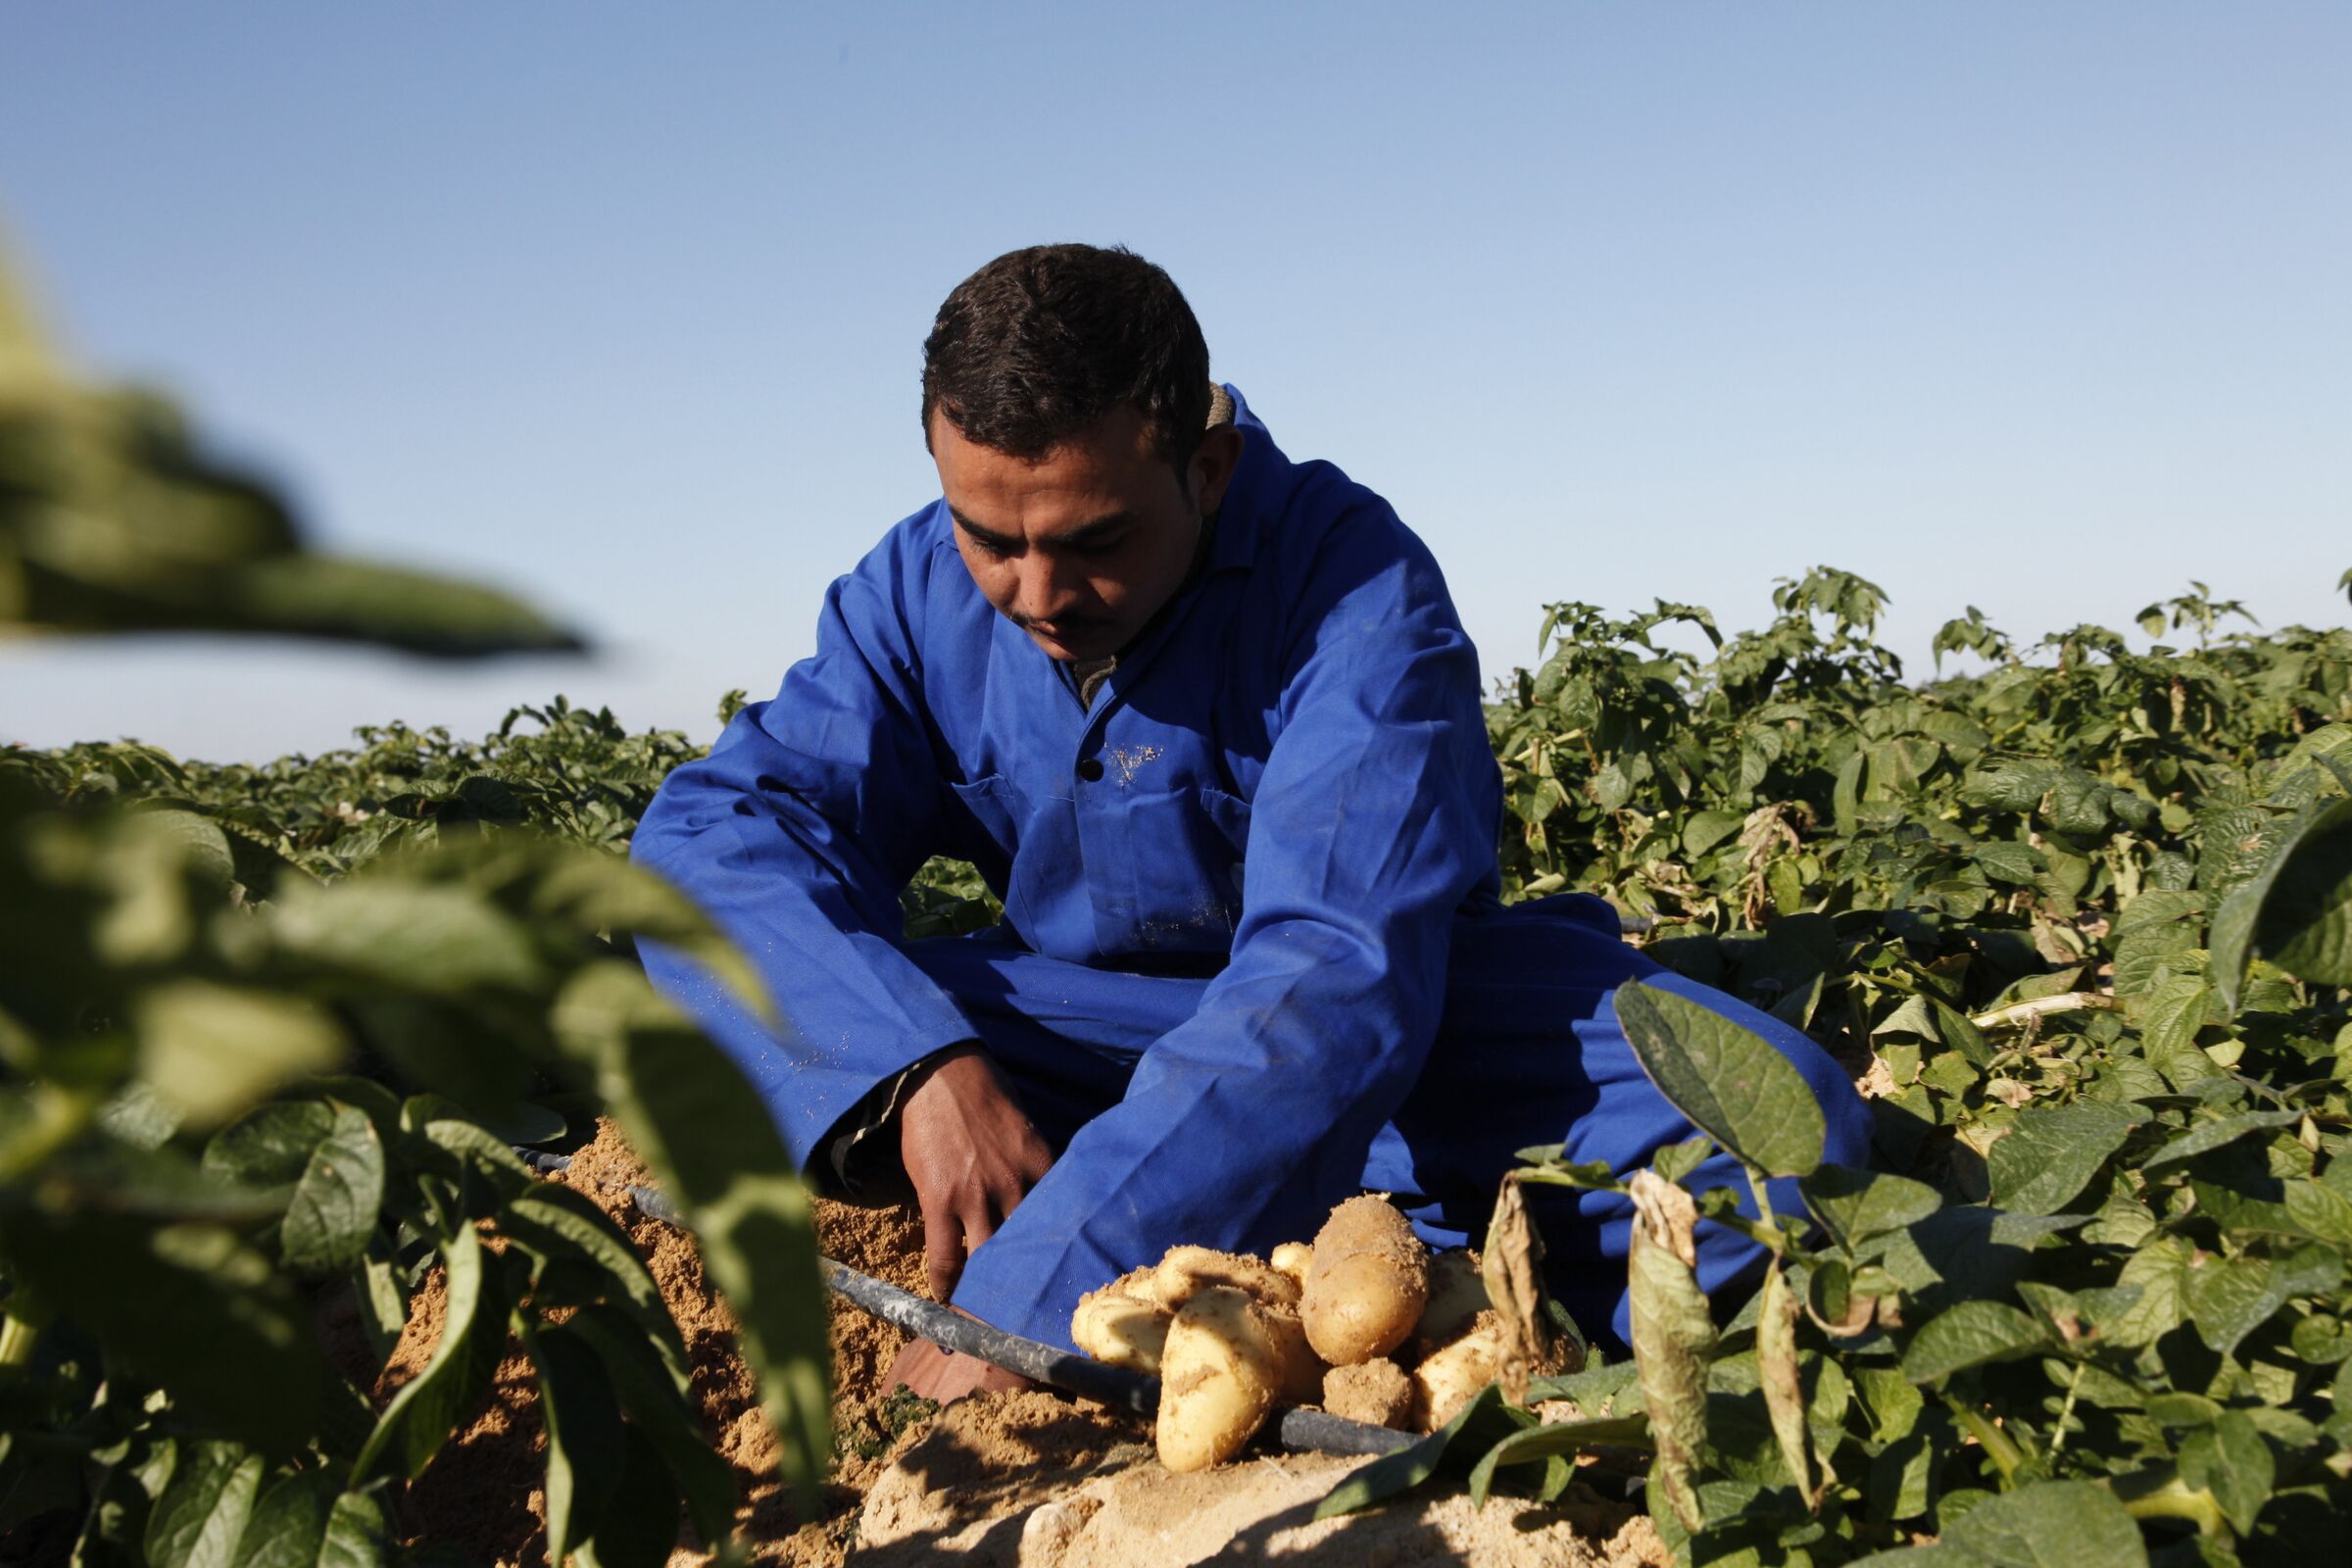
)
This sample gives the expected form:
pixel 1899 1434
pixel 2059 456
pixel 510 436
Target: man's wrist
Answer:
pixel 862 1163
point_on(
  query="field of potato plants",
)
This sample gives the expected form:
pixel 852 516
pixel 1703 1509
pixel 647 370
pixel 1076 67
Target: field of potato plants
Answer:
pixel 2080 924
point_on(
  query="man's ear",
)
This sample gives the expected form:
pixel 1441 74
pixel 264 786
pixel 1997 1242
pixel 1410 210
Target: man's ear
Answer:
pixel 1214 462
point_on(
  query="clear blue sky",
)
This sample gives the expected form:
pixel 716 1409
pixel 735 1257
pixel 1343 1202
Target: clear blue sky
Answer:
pixel 2039 308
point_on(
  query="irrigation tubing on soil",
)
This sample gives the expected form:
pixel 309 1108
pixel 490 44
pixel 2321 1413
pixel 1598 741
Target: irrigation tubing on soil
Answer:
pixel 1316 1430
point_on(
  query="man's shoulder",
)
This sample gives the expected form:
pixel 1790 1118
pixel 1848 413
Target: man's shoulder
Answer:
pixel 1296 514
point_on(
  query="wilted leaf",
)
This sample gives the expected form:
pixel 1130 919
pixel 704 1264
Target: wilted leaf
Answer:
pixel 1673 1333
pixel 1782 1375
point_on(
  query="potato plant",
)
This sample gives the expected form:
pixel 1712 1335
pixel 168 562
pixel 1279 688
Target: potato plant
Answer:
pixel 254 1077
pixel 2088 924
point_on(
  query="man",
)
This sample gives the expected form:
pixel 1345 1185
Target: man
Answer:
pixel 1207 722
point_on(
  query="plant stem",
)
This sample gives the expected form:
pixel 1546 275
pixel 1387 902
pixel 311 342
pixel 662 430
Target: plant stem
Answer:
pixel 1996 1443
pixel 1766 1231
pixel 2022 1013
pixel 2066 1412
pixel 2145 1496
pixel 17 1340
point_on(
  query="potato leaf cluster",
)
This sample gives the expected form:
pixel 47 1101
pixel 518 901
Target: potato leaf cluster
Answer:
pixel 2080 922
pixel 266 1051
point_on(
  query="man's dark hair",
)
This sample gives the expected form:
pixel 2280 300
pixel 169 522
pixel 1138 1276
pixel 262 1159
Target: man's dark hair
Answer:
pixel 1040 344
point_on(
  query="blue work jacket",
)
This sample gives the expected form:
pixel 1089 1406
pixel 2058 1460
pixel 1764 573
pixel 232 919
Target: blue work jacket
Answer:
pixel 1286 787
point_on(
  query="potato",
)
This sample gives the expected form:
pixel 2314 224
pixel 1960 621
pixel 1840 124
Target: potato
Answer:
pixel 1456 1295
pixel 1449 1379
pixel 1120 1330
pixel 1186 1271
pixel 1374 1391
pixel 1126 1322
pixel 1367 1283
pixel 1293 1258
pixel 1223 1366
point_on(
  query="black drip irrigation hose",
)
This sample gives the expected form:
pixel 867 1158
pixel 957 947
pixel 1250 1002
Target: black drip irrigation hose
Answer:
pixel 1301 1429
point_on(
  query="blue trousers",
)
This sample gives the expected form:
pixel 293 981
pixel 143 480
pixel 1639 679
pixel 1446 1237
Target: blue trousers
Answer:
pixel 1529 1052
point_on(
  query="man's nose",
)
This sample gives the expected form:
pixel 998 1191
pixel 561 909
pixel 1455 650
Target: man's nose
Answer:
pixel 1045 588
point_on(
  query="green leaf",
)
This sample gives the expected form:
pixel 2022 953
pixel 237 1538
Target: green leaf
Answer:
pixel 584 1441
pixel 288 1528
pixel 689 1113
pixel 1707 829
pixel 2206 1136
pixel 1725 1078
pixel 2231 1460
pixel 2296 911
pixel 640 1526
pixel 1395 1474
pixel 2050 1524
pixel 2050 1154
pixel 2158 1269
pixel 202 1514
pixel 1854 1204
pixel 1972 1334
pixel 209 1051
pixel 333 1214
pixel 1534 1444
pixel 269 1146
pixel 2229 1298
pixel 658 1412
pixel 413 937
pixel 555 1221
pixel 2173 1014
pixel 473 1333
pixel 2009 861
pixel 147 1292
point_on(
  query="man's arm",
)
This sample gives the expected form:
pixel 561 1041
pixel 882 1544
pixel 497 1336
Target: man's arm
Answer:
pixel 1374 819
pixel 795 834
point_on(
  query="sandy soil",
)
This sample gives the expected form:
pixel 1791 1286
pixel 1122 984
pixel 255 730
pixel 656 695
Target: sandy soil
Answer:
pixel 1027 1480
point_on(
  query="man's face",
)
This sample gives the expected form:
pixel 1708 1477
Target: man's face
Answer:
pixel 1081 547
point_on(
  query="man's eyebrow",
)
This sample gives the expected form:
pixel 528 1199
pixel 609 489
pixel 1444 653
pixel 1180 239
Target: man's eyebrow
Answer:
pixel 1084 534
pixel 986 536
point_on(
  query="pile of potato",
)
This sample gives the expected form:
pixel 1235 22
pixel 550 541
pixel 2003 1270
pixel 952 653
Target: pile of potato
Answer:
pixel 1364 1322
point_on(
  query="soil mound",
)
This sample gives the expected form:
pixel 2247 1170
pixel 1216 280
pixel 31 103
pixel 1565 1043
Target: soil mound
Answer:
pixel 1026 1480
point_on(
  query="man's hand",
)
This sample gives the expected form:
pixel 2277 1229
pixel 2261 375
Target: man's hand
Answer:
pixel 945 1377
pixel 972 1155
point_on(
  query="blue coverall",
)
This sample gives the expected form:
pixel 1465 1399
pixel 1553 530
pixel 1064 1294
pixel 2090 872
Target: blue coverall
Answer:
pixel 1254 957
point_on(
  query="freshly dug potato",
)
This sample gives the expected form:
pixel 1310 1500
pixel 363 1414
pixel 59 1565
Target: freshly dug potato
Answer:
pixel 1186 1271
pixel 1449 1379
pixel 1456 1295
pixel 1302 1369
pixel 1126 1322
pixel 1120 1329
pixel 1367 1283
pixel 1224 1366
pixel 1293 1258
pixel 1374 1391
